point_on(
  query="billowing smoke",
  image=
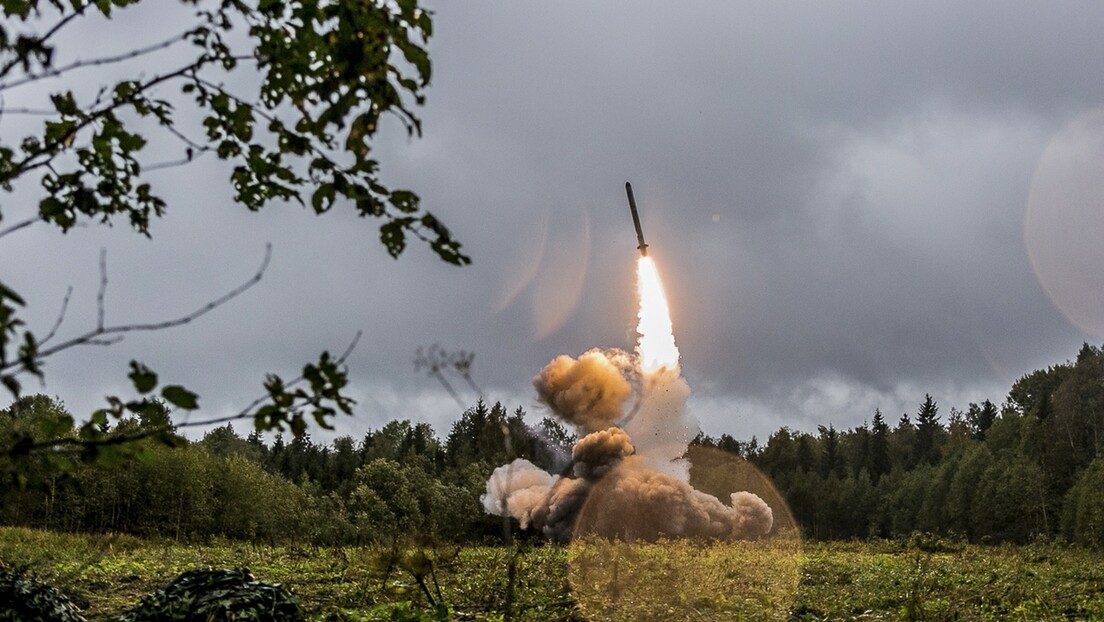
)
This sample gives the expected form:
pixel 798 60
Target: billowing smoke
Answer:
pixel 628 478
pixel 598 452
pixel 517 488
pixel 586 392
pixel 637 503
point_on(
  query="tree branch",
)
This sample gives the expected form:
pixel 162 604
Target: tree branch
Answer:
pixel 248 410
pixel 105 60
pixel 102 292
pixel 60 317
pixel 51 149
pixel 107 335
pixel 64 21
pixel 41 112
pixel 436 359
pixel 20 225
pixel 245 413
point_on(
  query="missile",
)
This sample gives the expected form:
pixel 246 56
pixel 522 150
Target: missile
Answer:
pixel 636 221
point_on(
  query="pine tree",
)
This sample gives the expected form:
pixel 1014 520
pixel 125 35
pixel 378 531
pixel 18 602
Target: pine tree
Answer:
pixel 879 448
pixel 830 458
pixel 928 432
pixel 981 418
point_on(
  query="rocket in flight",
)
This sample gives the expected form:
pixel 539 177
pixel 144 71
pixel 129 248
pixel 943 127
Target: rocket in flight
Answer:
pixel 636 221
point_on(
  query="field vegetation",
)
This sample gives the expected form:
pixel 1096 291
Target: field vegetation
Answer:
pixel 921 578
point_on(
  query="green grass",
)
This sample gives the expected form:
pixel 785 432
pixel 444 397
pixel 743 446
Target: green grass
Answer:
pixel 597 580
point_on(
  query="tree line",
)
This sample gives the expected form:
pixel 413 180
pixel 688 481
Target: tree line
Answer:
pixel 1029 468
pixel 399 480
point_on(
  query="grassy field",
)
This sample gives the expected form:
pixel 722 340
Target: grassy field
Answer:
pixel 597 580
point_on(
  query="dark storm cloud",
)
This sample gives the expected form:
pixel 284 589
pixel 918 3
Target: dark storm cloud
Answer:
pixel 834 194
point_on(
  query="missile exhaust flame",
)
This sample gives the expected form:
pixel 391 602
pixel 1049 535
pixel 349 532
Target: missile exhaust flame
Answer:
pixel 656 345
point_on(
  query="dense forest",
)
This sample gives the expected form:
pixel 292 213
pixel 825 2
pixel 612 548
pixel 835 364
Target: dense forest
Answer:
pixel 1027 469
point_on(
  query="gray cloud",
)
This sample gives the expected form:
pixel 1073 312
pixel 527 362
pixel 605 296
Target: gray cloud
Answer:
pixel 835 195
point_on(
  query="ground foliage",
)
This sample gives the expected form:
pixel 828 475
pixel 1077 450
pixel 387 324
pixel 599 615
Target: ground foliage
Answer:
pixel 223 595
pixel 28 600
pixel 919 578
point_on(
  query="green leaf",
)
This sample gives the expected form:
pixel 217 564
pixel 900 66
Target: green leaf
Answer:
pixel 323 198
pixel 65 104
pixel 144 380
pixel 405 200
pixel 98 418
pixel 180 397
pixel 298 426
pixel 56 427
pixel 10 295
pixel 11 384
pixel 320 418
pixel 393 235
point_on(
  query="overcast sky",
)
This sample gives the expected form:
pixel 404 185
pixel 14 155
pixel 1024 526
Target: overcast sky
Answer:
pixel 852 204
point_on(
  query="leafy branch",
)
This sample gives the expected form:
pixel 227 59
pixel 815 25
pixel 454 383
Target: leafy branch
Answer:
pixel 329 72
pixel 316 392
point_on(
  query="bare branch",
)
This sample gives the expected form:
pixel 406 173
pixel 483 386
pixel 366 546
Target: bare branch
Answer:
pixel 159 166
pixel 102 291
pixel 349 348
pixel 60 317
pixel 188 141
pixel 109 341
pixel 76 445
pixel 108 335
pixel 20 225
pixel 434 361
pixel 42 112
pixel 105 60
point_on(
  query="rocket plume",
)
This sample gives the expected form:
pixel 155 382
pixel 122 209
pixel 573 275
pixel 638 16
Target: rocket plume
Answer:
pixel 656 345
pixel 631 468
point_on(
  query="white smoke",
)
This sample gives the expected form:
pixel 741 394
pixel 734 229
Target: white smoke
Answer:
pixel 662 428
pixel 515 489
pixel 637 472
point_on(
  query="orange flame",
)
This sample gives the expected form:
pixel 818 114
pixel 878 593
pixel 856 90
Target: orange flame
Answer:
pixel 656 345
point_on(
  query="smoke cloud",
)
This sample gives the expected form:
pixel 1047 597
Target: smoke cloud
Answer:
pixel 517 488
pixel 588 392
pixel 598 452
pixel 638 503
pixel 628 478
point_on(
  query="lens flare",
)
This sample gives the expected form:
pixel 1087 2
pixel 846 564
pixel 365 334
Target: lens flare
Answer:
pixel 656 346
